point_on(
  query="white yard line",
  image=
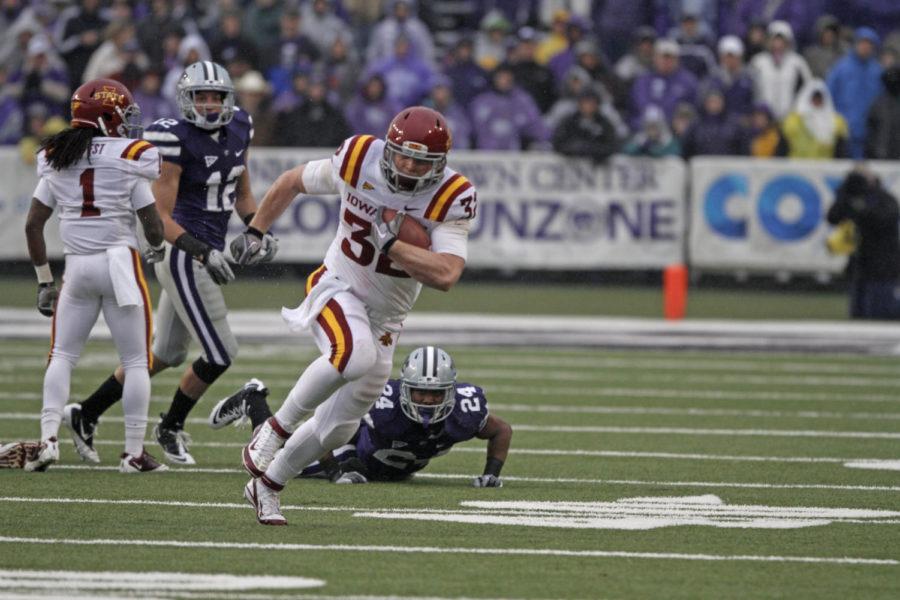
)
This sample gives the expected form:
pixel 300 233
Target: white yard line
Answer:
pixel 689 412
pixel 525 428
pixel 246 546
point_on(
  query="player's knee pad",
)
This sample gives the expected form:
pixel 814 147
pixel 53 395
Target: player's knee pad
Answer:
pixel 362 359
pixel 208 372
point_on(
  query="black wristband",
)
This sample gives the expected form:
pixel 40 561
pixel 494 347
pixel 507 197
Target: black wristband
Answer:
pixel 193 246
pixel 387 247
pixel 493 466
pixel 255 232
pixel 247 218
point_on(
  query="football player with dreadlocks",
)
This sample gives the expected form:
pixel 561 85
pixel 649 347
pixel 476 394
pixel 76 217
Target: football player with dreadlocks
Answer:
pixel 97 174
pixel 357 300
pixel 417 417
pixel 204 179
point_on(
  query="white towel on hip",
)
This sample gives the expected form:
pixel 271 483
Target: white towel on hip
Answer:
pixel 300 319
pixel 124 278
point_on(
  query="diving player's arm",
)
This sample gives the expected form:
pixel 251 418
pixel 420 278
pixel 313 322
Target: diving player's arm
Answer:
pixel 314 177
pixel 498 433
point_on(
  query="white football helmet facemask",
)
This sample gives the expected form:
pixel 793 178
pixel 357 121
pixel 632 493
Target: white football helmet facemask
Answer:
pixel 427 368
pixel 205 75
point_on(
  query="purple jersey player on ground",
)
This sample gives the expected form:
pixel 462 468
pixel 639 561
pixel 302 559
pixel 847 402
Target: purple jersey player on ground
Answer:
pixel 419 416
pixel 204 179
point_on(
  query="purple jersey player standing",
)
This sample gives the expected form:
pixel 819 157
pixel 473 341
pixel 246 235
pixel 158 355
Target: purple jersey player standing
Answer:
pixel 419 416
pixel 204 179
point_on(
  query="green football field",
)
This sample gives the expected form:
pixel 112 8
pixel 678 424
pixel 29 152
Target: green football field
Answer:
pixel 633 474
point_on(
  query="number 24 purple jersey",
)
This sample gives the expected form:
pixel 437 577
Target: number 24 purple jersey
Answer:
pixel 392 446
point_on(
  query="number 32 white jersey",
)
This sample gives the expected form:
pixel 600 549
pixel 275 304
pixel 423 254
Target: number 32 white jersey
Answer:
pixel 97 197
pixel 444 210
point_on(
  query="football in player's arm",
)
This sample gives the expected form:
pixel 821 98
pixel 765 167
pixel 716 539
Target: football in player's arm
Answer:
pixel 419 416
pixel 357 301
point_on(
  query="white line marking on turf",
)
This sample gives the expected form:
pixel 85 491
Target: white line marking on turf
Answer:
pixel 692 412
pixel 452 550
pixel 871 463
pixel 641 513
pixel 522 427
pixel 468 477
pixel 124 580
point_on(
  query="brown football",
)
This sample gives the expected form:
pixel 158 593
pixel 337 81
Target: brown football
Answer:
pixel 411 231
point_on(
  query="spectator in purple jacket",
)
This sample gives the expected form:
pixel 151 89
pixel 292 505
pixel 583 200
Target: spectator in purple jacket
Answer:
pixel 148 96
pixel 42 79
pixel 715 132
pixel 615 22
pixel 468 78
pixel 506 117
pixel 372 109
pixel 666 85
pixel 408 78
pixel 12 117
pixel 734 78
pixel 695 45
pixel 441 100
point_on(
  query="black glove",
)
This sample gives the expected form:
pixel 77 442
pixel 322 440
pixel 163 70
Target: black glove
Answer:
pixel 46 298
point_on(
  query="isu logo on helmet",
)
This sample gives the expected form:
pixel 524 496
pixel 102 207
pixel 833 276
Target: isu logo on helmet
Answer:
pixel 106 105
pixel 422 134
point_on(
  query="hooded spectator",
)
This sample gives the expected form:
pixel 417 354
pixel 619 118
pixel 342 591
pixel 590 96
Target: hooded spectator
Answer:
pixel 814 129
pixel 586 133
pixel 763 137
pixel 119 50
pixel 148 95
pixel 41 80
pixel 469 79
pixel 292 49
pixel 576 82
pixel 81 33
pixel 372 109
pixel 855 83
pixel 828 47
pixel 779 72
pixel 506 117
pixel 12 117
pixel 253 94
pixel 230 43
pixel 715 132
pixel 883 139
pixel 492 40
pixel 654 138
pixel 408 77
pixel 666 85
pixel 696 44
pixel 191 49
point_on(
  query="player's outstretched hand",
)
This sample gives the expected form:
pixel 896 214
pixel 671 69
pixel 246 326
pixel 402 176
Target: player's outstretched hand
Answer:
pixel 217 267
pixel 46 298
pixel 155 254
pixel 253 247
pixel 384 233
pixel 486 481
pixel 269 248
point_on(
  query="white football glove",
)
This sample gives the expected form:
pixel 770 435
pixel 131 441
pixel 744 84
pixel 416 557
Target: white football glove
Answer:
pixel 217 267
pixel 46 298
pixel 246 247
pixel 155 254
pixel 487 481
pixel 384 233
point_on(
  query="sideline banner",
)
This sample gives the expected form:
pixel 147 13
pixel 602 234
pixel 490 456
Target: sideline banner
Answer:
pixel 767 215
pixel 535 210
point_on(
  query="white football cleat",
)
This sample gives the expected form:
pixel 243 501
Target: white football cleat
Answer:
pixel 266 441
pixel 266 502
pixel 48 455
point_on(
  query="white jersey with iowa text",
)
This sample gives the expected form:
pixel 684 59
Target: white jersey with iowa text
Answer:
pixel 97 197
pixel 445 211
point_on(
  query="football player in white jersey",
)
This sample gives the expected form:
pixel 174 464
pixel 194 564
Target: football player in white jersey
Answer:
pixel 98 177
pixel 356 302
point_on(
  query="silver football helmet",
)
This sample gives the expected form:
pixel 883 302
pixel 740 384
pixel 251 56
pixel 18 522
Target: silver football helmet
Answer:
pixel 205 75
pixel 427 368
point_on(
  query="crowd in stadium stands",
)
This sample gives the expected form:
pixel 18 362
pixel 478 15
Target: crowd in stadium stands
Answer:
pixel 797 78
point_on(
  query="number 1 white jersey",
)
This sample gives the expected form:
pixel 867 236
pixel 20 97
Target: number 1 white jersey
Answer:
pixel 97 197
pixel 444 210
